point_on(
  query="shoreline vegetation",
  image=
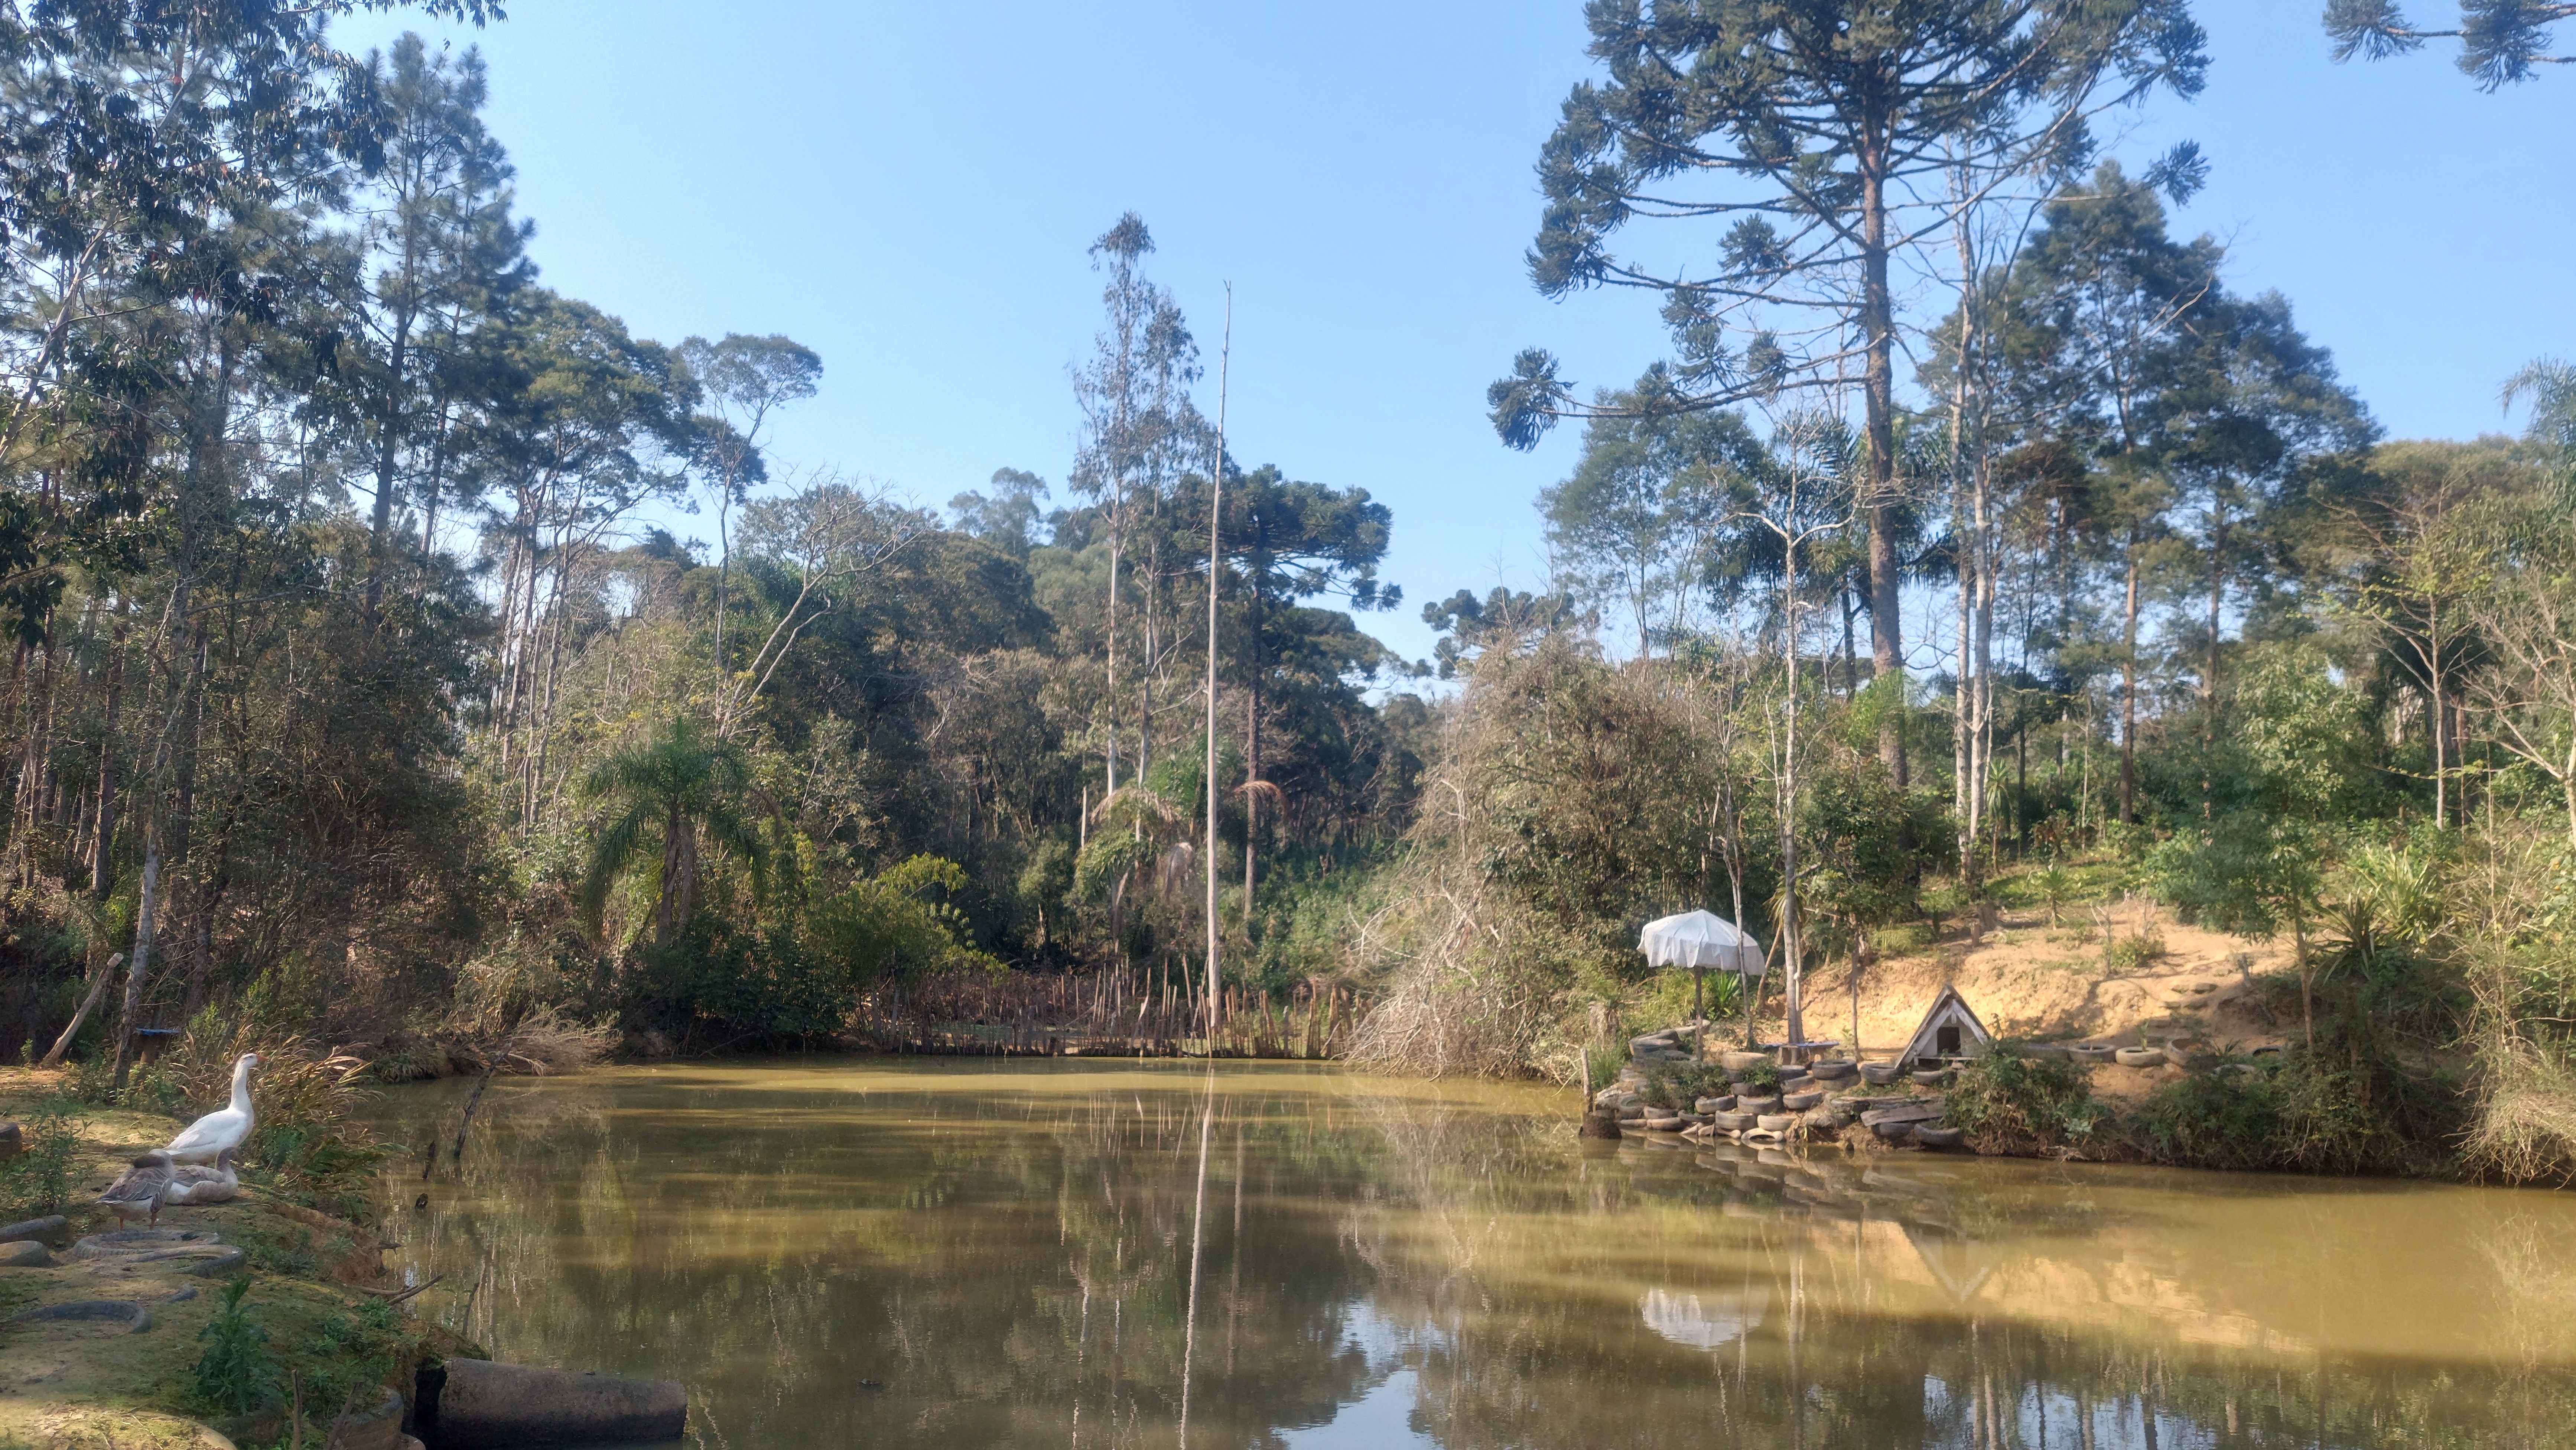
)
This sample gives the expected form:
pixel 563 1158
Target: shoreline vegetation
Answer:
pixel 265 1320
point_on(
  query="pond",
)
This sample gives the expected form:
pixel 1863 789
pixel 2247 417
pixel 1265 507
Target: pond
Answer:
pixel 963 1253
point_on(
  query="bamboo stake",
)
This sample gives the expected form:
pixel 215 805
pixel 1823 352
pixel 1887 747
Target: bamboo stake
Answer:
pixel 1216 517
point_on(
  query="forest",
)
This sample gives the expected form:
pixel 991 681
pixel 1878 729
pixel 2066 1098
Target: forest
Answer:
pixel 1981 538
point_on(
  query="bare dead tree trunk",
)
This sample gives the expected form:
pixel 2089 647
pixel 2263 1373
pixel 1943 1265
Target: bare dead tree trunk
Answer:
pixel 98 981
pixel 102 873
pixel 146 922
pixel 1216 565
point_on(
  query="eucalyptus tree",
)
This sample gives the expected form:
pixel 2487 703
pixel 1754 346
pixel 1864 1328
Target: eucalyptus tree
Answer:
pixel 1639 521
pixel 1812 490
pixel 589 425
pixel 1823 137
pixel 1141 432
pixel 1010 516
pixel 2403 542
pixel 2256 402
pixel 2500 40
pixel 745 380
pixel 2092 347
pixel 810 550
pixel 439 254
pixel 2528 697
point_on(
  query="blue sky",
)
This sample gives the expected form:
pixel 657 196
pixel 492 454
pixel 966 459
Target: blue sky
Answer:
pixel 909 189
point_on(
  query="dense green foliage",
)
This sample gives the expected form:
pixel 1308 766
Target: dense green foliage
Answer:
pixel 358 696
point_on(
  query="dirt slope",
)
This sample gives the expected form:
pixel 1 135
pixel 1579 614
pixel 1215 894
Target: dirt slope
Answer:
pixel 2072 982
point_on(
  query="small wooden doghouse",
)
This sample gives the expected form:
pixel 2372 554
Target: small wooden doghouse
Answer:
pixel 1950 1031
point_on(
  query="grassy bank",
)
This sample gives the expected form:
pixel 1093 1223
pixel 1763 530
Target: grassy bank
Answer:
pixel 303 1321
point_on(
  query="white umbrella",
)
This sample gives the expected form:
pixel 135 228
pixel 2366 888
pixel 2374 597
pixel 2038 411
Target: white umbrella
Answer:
pixel 1694 1322
pixel 1699 939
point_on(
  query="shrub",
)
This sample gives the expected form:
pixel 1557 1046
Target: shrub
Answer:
pixel 38 1180
pixel 1678 1085
pixel 2128 953
pixel 2293 1112
pixel 894 924
pixel 237 1373
pixel 2055 887
pixel 2003 1095
pixel 349 1352
pixel 1668 996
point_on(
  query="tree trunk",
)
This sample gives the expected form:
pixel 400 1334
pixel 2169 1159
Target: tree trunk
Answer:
pixel 2441 752
pixel 388 455
pixel 1152 659
pixel 1258 576
pixel 1216 566
pixel 98 981
pixel 146 924
pixel 2129 690
pixel 1877 323
pixel 33 769
pixel 1963 734
pixel 1851 657
pixel 1109 693
pixel 102 872
pixel 1793 1015
pixel 2209 671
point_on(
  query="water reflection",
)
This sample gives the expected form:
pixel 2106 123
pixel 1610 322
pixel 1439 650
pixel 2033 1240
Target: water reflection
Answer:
pixel 1100 1255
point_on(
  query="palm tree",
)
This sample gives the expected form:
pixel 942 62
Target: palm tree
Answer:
pixel 679 790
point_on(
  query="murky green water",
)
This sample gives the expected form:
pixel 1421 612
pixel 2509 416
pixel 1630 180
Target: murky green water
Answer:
pixel 962 1254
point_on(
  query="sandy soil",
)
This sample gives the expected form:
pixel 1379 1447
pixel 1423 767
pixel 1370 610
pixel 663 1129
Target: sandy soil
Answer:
pixel 2028 979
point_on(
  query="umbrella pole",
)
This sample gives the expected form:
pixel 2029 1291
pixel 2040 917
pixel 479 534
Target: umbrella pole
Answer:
pixel 1699 1011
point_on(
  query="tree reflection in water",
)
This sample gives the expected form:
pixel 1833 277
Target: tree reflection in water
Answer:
pixel 1084 1254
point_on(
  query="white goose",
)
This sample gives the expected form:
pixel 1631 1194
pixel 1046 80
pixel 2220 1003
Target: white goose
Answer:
pixel 206 1139
pixel 192 1184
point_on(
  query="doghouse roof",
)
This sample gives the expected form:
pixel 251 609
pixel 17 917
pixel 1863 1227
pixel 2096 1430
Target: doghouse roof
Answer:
pixel 1947 1009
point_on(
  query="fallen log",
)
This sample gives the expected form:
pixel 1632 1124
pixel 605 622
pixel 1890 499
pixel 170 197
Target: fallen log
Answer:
pixel 472 1404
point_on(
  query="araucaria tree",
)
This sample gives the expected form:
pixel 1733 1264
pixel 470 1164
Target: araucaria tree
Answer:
pixel 2500 40
pixel 1815 144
